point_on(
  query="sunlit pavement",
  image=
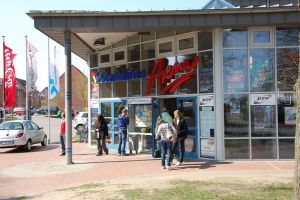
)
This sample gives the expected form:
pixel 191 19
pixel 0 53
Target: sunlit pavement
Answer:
pixel 42 170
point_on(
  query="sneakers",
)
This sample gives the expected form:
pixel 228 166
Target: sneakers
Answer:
pixel 178 164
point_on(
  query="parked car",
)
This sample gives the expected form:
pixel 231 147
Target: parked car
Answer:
pixel 19 111
pixel 80 121
pixel 44 110
pixel 21 133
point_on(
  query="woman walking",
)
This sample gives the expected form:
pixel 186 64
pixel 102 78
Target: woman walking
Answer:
pixel 101 133
pixel 165 133
pixel 181 128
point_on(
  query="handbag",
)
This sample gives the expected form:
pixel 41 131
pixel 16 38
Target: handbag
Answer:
pixel 108 139
pixel 172 137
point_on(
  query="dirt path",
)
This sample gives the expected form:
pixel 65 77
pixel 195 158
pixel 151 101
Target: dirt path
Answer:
pixel 220 180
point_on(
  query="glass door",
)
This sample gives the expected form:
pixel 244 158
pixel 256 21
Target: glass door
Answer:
pixel 188 108
pixel 110 111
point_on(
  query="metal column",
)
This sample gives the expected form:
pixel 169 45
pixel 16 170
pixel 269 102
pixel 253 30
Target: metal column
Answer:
pixel 68 97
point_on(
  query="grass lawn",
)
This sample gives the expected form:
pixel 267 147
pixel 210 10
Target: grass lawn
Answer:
pixel 199 190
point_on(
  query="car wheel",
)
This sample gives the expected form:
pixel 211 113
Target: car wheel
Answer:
pixel 44 142
pixel 79 128
pixel 28 146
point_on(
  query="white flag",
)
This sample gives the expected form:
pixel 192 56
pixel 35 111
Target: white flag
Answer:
pixel 31 76
pixel 53 74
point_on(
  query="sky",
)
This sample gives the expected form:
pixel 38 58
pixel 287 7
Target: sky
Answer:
pixel 15 24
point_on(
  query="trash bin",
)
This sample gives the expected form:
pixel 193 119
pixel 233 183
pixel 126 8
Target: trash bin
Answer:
pixel 133 143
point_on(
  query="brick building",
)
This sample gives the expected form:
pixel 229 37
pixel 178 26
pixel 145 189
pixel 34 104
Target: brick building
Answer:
pixel 20 96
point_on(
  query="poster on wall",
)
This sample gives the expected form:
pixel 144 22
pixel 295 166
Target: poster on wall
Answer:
pixel 208 148
pixel 207 121
pixel 94 91
pixel 263 117
pixel 290 116
pixel 143 116
pixel 263 99
pixel 206 80
pixel 235 107
pixel 236 81
pixel 206 100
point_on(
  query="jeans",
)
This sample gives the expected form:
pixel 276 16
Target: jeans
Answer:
pixel 122 141
pixel 101 145
pixel 179 149
pixel 62 143
pixel 166 148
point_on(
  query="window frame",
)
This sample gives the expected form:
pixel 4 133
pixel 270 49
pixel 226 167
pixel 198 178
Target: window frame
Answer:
pixel 166 54
pixel 262 29
pixel 187 36
pixel 119 62
pixel 106 64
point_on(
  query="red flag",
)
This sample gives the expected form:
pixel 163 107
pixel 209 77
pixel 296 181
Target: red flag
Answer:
pixel 9 77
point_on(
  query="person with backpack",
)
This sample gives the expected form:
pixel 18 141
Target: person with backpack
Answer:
pixel 101 133
pixel 165 134
pixel 123 122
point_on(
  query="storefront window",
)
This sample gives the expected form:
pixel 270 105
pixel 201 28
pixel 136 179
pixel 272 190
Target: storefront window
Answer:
pixel 121 43
pixel 287 36
pixel 147 36
pixel 262 71
pixel 207 148
pixel 287 68
pixel 264 149
pixel 148 66
pixel 187 108
pixel 106 112
pixel 105 58
pixel 134 86
pixel 205 41
pixel 148 50
pixel 236 149
pixel 134 39
pixel 287 115
pixel 168 61
pixel 263 121
pixel 236 115
pixel 164 34
pixel 119 55
pixel 261 37
pixel 134 53
pixel 206 74
pixel 286 148
pixel 105 90
pixel 187 43
pixel 190 86
pixel 165 47
pixel 235 66
pixel 120 89
pixel 207 121
pixel 235 38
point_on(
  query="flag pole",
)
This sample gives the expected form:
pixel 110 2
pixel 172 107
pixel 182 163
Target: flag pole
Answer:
pixel 48 91
pixel 27 101
pixel 3 81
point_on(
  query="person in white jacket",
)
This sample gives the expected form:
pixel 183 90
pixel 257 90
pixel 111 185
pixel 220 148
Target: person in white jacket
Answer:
pixel 165 133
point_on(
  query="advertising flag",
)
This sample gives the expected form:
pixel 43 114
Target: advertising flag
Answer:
pixel 9 77
pixel 53 74
pixel 32 64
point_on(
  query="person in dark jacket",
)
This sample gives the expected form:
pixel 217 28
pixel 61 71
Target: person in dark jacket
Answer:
pixel 181 128
pixel 123 122
pixel 102 132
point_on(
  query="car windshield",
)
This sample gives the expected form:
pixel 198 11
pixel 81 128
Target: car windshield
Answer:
pixel 11 126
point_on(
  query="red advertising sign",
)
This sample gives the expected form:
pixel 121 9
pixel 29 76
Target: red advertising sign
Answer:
pixel 9 77
pixel 164 73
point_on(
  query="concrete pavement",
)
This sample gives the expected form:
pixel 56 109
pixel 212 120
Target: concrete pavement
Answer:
pixel 43 170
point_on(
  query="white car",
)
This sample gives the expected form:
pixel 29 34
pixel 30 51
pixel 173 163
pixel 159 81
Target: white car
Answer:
pixel 21 133
pixel 80 121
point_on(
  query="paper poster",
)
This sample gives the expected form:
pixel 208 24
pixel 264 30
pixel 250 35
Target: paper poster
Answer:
pixel 262 99
pixel 290 115
pixel 263 117
pixel 143 116
pixel 208 148
pixel 236 81
pixel 207 121
pixel 94 91
pixel 235 107
pixel 206 100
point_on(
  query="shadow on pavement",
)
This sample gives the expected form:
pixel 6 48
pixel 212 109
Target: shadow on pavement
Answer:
pixel 35 148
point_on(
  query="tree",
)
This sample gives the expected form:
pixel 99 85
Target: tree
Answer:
pixel 296 190
pixel 81 90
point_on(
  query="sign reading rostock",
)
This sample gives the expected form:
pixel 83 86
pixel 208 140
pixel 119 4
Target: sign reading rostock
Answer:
pixel 262 99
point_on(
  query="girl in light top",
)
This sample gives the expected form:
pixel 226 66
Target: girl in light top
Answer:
pixel 164 133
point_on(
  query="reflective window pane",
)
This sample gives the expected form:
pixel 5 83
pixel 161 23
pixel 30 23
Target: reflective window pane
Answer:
pixel 164 34
pixel 147 36
pixel 134 86
pixel 148 50
pixel 235 38
pixel 105 58
pixel 287 36
pixel 119 55
pixel 287 115
pixel 207 121
pixel 262 70
pixel 264 149
pixel 187 43
pixel 106 112
pixel 205 41
pixel 261 37
pixel 161 85
pixel 206 74
pixel 120 89
pixel 236 149
pixel 236 115
pixel 287 68
pixel 235 70
pixel 148 66
pixel 187 108
pixel 134 53
pixel 105 90
pixel 121 43
pixel 263 121
pixel 134 39
pixel 165 47
pixel 286 148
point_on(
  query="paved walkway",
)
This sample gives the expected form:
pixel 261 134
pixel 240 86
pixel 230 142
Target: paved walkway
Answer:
pixel 42 170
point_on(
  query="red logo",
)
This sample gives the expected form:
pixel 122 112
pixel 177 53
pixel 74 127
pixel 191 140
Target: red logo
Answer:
pixel 164 74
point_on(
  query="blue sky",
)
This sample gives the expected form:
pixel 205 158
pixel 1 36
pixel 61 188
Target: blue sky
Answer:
pixel 15 24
